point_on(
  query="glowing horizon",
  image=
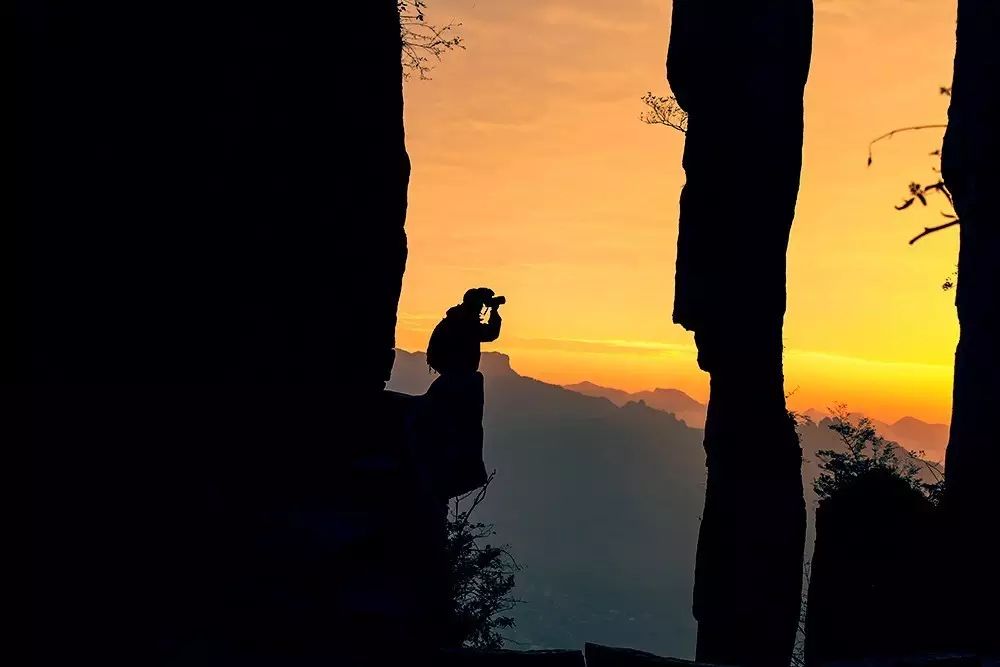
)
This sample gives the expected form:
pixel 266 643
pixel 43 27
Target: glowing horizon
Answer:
pixel 533 175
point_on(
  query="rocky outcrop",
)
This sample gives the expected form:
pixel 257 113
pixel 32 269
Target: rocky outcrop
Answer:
pixel 969 166
pixel 872 589
pixel 213 206
pixel 738 69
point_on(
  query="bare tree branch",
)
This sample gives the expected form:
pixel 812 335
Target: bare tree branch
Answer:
pixel 891 133
pixel 931 230
pixel 919 193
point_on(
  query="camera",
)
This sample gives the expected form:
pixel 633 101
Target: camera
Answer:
pixel 496 301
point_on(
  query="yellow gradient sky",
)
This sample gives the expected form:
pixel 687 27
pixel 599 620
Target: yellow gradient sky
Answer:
pixel 533 175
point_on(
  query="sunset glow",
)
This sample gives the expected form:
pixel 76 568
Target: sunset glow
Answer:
pixel 533 175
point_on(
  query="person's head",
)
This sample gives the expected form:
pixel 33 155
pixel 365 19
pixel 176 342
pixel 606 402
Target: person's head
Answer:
pixel 477 299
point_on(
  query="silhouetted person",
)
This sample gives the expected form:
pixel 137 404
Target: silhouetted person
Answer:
pixel 454 344
pixel 450 453
pixel 447 432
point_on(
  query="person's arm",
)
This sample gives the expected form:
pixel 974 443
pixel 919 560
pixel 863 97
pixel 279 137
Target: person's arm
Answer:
pixel 489 331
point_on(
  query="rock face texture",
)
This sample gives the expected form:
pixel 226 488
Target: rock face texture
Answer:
pixel 739 70
pixel 969 164
pixel 868 595
pixel 211 195
pixel 212 217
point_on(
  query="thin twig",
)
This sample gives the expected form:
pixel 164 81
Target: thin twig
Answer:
pixel 891 133
pixel 931 230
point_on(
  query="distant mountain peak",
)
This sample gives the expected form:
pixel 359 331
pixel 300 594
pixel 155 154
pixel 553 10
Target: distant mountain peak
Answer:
pixel 496 363
pixel 411 375
pixel 815 415
pixel 909 432
pixel 911 422
pixel 677 395
pixel 586 384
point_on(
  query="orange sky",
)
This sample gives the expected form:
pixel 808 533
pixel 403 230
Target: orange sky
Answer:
pixel 532 175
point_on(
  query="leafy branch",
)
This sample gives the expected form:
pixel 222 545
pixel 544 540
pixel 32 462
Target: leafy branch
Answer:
pixel 664 111
pixel 867 452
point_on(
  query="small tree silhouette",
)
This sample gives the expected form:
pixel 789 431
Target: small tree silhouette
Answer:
pixel 423 41
pixel 482 576
pixel 869 453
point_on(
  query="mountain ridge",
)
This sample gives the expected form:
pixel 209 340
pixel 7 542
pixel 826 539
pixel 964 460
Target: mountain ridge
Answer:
pixel 909 432
pixel 674 401
pixel 600 503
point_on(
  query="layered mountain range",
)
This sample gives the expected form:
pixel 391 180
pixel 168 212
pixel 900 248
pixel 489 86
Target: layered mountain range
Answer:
pixel 599 494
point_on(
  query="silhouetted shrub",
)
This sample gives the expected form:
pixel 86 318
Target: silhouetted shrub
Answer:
pixel 868 455
pixel 482 576
pixel 870 588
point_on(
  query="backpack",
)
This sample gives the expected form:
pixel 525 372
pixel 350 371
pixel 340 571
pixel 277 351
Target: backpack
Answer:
pixel 438 345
